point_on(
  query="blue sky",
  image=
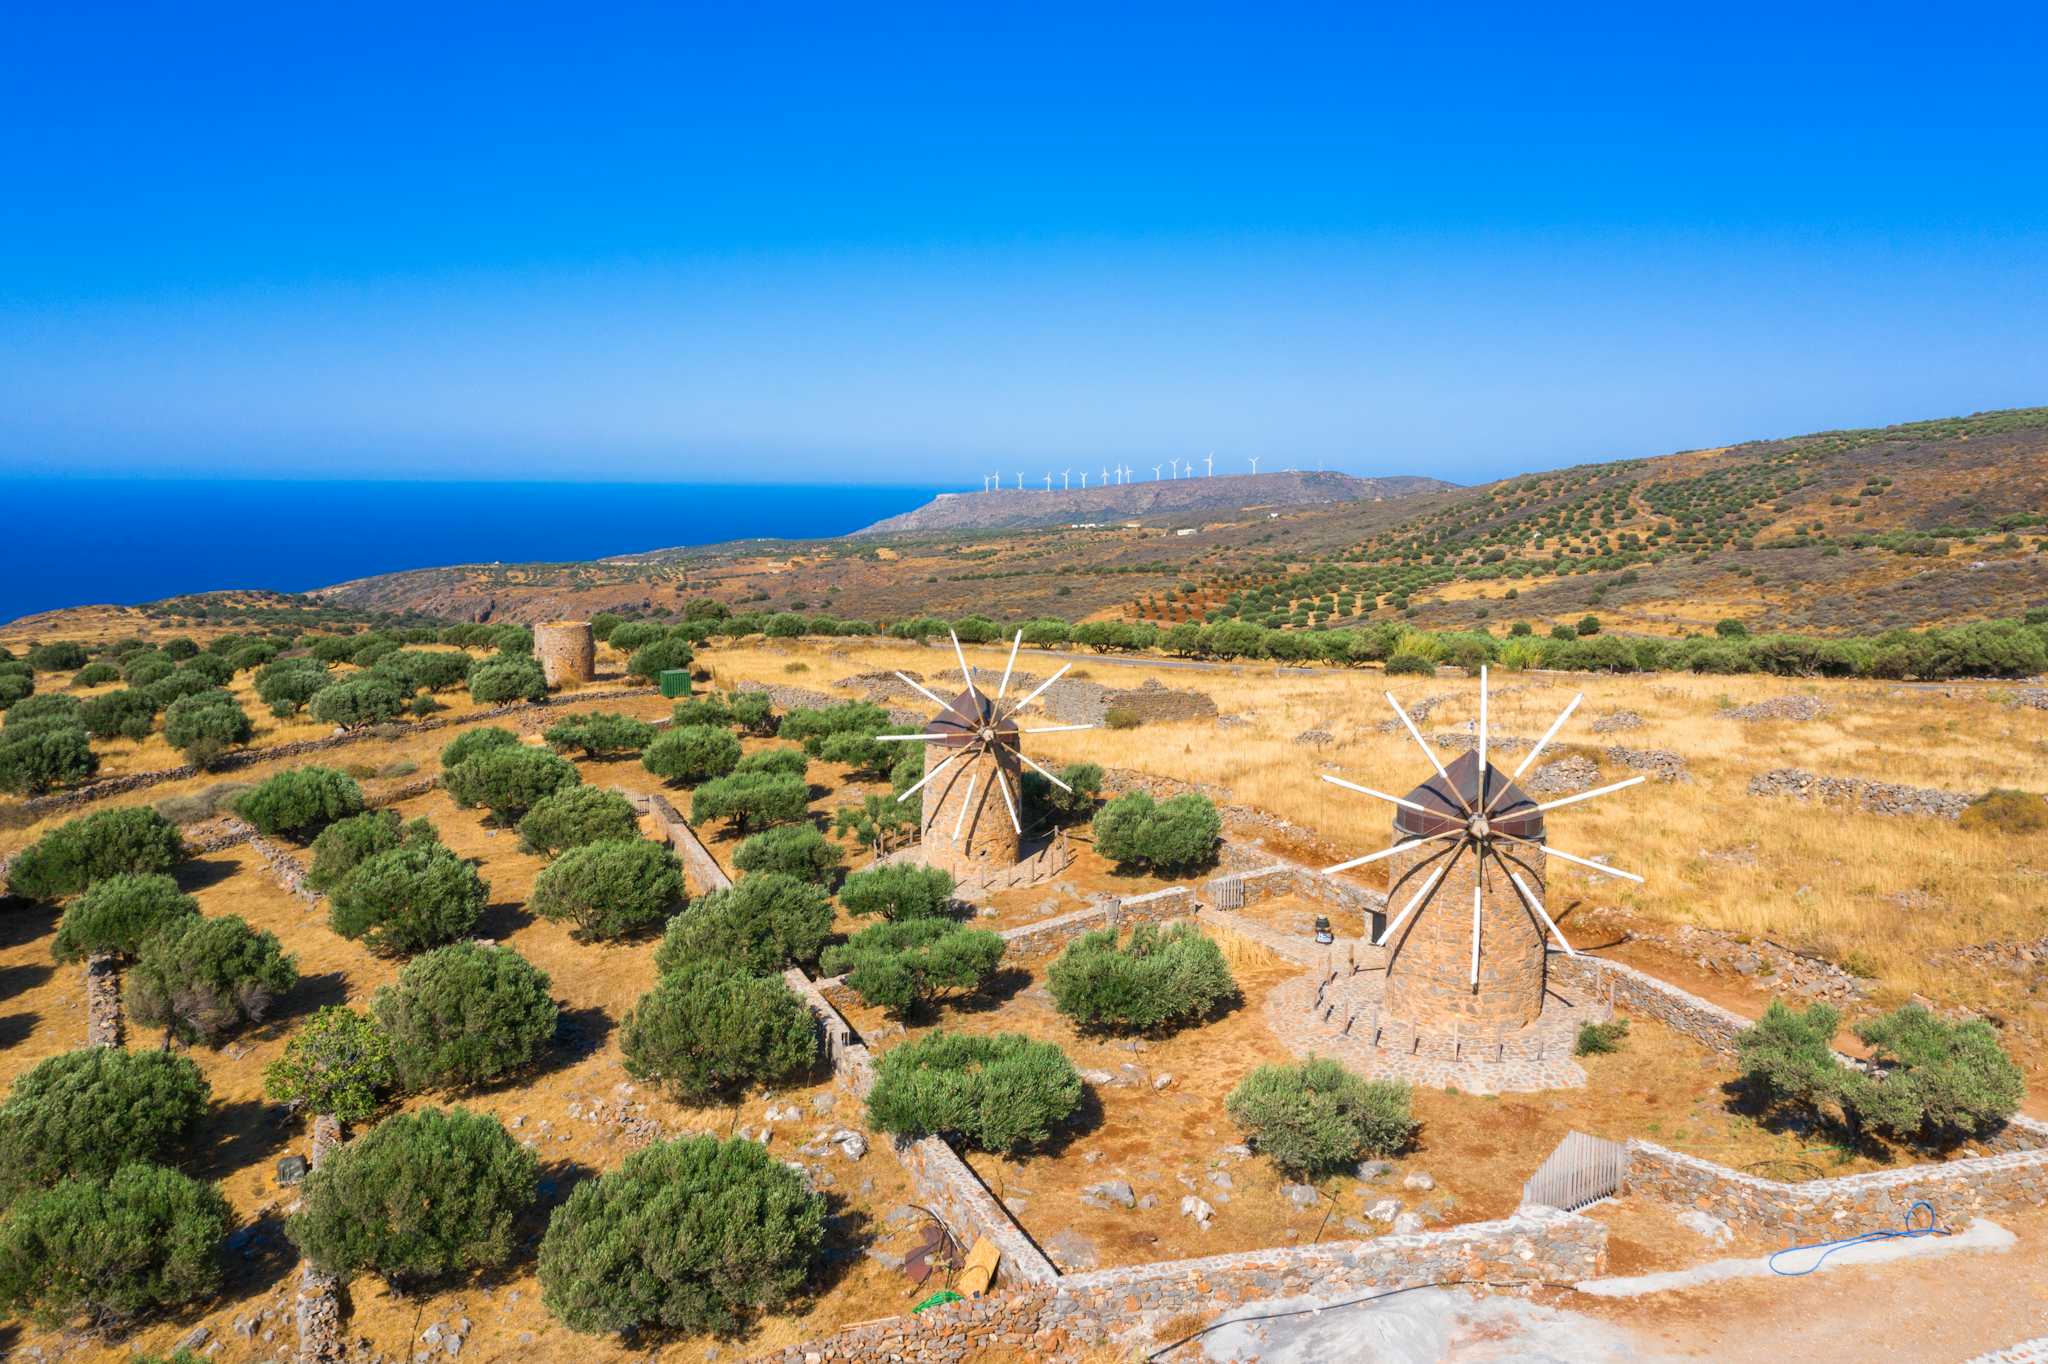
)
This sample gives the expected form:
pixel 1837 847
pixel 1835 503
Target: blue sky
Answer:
pixel 908 244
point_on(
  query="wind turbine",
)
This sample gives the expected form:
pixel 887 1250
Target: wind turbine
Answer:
pixel 1020 480
pixel 1105 475
pixel 1048 482
pixel 1155 472
pixel 1255 464
pixel 1065 483
pixel 1210 460
pixel 1176 467
pixel 1084 480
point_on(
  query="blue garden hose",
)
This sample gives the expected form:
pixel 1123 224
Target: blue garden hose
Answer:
pixel 1913 1228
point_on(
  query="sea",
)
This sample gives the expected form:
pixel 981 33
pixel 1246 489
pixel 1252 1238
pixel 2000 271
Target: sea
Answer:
pixel 91 541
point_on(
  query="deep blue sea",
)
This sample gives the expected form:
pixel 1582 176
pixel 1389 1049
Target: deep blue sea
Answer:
pixel 83 541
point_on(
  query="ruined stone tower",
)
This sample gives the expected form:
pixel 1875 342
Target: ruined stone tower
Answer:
pixel 566 651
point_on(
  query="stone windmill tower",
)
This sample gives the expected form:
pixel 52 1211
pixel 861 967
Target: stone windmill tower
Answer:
pixel 973 762
pixel 1466 949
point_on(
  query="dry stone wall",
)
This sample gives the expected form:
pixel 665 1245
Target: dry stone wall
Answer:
pixel 102 1001
pixel 700 868
pixel 1872 797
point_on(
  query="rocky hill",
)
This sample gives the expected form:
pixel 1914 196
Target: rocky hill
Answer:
pixel 1025 508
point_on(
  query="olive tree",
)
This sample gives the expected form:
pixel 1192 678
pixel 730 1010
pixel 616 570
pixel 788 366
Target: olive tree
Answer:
pixel 1155 980
pixel 133 839
pixel 1000 1093
pixel 898 890
pixel 101 1251
pixel 509 779
pixel 692 754
pixel 347 843
pixel 599 734
pixel 205 725
pixel 204 978
pixel 763 924
pixel 90 1112
pixel 125 714
pixel 506 677
pixel 1317 1117
pixel 1174 835
pixel 465 1014
pixel 300 800
pixel 407 899
pixel 38 755
pixel 653 659
pixel 751 800
pixel 797 850
pixel 710 1029
pixel 575 816
pixel 339 1064
pixel 117 913
pixel 909 966
pixel 472 742
pixel 363 699
pixel 610 888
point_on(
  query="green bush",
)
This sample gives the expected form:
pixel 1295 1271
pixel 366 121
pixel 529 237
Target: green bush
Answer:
pixel 38 755
pixel 339 1063
pixel 472 742
pixel 465 1015
pixel 1121 717
pixel 13 687
pixel 1154 981
pixel 753 712
pixel 611 888
pixel 878 823
pixel 650 661
pixel 98 1252
pixel 506 677
pixel 117 913
pixel 775 762
pixel 898 890
pixel 348 843
pixel 408 899
pixel 599 734
pixel 636 633
pixel 419 1198
pixel 908 966
pixel 576 816
pixel 414 670
pixel 1318 1118
pixel 763 924
pixel 754 800
pixel 1084 789
pixel 180 684
pixel 119 715
pixel 1788 1061
pixel 1174 835
pixel 147 669
pixel 1942 1081
pixel 55 706
pixel 90 1112
pixel 695 1235
pixel 134 839
pixel 797 850
pixel 286 686
pixel 1001 1093
pixel 1409 664
pixel 204 978
pixel 300 800
pixel 364 699
pixel 1600 1039
pixel 205 725
pixel 57 657
pixel 509 780
pixel 811 726
pixel 692 754
pixel 710 1030
pixel 863 754
pixel 701 710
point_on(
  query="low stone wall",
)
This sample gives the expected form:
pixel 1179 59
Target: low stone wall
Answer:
pixel 999 1326
pixel 1620 984
pixel 1872 797
pixel 317 1308
pixel 283 865
pixel 700 868
pixel 1047 936
pixel 102 1001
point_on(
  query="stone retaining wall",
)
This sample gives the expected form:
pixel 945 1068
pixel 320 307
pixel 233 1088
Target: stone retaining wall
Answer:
pixel 1047 936
pixel 282 864
pixel 1872 797
pixel 317 1308
pixel 700 868
pixel 102 1001
pixel 1638 991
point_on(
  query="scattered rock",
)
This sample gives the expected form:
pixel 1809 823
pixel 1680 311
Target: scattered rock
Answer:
pixel 1420 1181
pixel 1315 738
pixel 1781 708
pixel 1564 777
pixel 853 1145
pixel 1109 1191
pixel 1196 1208
pixel 1872 797
pixel 1373 1169
pixel 1716 1232
pixel 1300 1195
pixel 1386 1210
pixel 1619 720
pixel 1407 1224
pixel 1221 1179
pixel 1070 1250
pixel 1661 763
pixel 1162 1080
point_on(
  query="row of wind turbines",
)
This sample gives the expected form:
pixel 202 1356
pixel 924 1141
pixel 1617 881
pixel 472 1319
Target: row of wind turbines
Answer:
pixel 1119 475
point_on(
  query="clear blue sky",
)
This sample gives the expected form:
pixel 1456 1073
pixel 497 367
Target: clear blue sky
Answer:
pixel 907 244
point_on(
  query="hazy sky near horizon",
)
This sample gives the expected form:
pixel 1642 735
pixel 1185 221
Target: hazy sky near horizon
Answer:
pixel 910 244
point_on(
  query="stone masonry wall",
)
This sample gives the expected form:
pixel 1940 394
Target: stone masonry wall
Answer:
pixel 700 868
pixel 1047 936
pixel 1872 797
pixel 102 1001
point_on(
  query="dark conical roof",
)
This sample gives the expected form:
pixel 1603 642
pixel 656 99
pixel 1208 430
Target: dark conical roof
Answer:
pixel 962 720
pixel 1514 812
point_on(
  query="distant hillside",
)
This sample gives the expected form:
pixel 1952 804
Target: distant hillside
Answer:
pixel 1026 508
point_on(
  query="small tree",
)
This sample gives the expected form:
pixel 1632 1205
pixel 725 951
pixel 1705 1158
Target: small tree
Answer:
pixel 794 850
pixel 1938 1079
pixel 205 725
pixel 419 1198
pixel 1154 981
pixel 1168 836
pixel 99 1252
pixel 348 843
pixel 1083 790
pixel 364 699
pixel 651 660
pixel 90 1112
pixel 907 967
pixel 600 734
pixel 709 1030
pixel 812 726
pixel 72 856
pixel 203 978
pixel 1788 1060
pixel 752 801
pixel 406 900
pixel 753 712
pixel 576 816
pixel 878 823
pixel 300 801
pixel 1000 1093
pixel 117 914
pixel 899 890
pixel 701 710
pixel 861 753
pixel 635 633
pixel 58 656
pixel 119 715
pixel 611 888
pixel 1317 1118
pixel 471 742
pixel 763 924
pixel 286 685
pixel 777 762
pixel 692 754
pixel 506 677
pixel 339 1063
pixel 465 1015
pixel 509 780
pixel 692 1235
pixel 37 755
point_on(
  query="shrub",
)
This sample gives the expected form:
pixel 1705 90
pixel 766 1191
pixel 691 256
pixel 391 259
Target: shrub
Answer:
pixel 286 685
pixel 651 660
pixel 999 1093
pixel 763 924
pixel 40 754
pixel 908 966
pixel 118 715
pixel 413 670
pixel 147 669
pixel 61 656
pixel 1156 980
pixel 1940 1079
pixel 1084 788
pixel 696 1235
pixel 13 687
pixel 465 1014
pixel 100 1251
pixel 797 850
pixel 1317 1117
pixel 509 779
pixel 506 677
pixel 364 699
pixel 2006 811
pixel 898 890
pixel 599 734
pixel 1588 626
pixel 1173 835
pixel 753 800
pixel 64 861
pixel 1410 664
pixel 753 712
pixel 55 706
pixel 692 754
pixel 180 684
pixel 701 710
pixel 710 1029
pixel 301 799
pixel 116 913
pixel 90 1112
pixel 1599 1039
pixel 472 742
pixel 812 725
pixel 339 1063
pixel 205 725
pixel 573 817
pixel 1788 1060
pixel 1121 717
pixel 633 634
pixel 348 843
pixel 420 1197
pixel 407 899
pixel 775 762
pixel 203 978
pixel 610 888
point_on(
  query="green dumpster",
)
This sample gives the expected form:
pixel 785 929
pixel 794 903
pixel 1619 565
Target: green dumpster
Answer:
pixel 675 682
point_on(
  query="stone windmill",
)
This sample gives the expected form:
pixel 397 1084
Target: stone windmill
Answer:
pixel 1467 868
pixel 973 761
